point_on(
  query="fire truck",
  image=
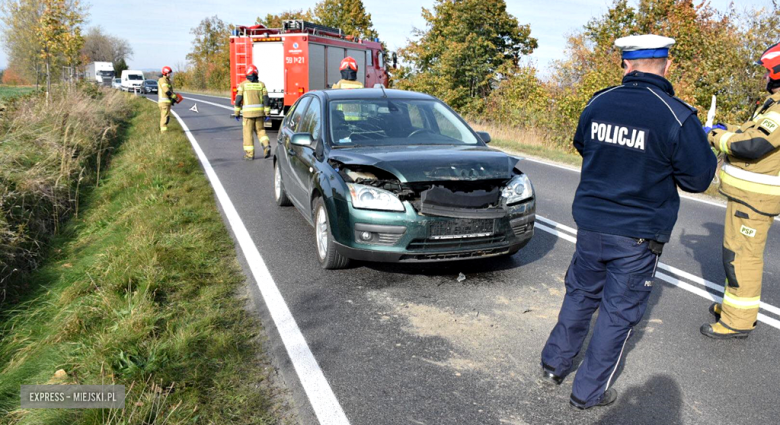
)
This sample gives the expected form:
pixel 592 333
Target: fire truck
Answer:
pixel 300 57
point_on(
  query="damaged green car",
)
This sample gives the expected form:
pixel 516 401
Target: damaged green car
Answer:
pixel 397 176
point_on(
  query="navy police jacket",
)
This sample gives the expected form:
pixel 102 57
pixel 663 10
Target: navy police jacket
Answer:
pixel 638 143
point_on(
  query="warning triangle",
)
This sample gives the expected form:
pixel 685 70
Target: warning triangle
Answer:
pixel 194 108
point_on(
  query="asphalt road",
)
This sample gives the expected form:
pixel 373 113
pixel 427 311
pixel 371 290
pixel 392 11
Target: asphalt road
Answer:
pixel 413 345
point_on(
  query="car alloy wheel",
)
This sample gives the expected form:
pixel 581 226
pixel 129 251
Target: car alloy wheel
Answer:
pixel 322 233
pixel 279 194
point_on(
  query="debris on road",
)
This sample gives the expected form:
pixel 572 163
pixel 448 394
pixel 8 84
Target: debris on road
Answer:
pixel 461 277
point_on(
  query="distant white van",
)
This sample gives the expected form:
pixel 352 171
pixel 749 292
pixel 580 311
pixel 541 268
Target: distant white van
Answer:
pixel 132 80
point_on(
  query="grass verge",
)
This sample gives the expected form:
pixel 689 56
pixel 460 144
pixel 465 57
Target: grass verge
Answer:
pixel 219 93
pixel 7 92
pixel 142 289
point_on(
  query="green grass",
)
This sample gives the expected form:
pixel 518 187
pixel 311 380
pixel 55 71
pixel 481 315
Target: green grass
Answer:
pixel 219 93
pixel 7 92
pixel 142 289
pixel 538 151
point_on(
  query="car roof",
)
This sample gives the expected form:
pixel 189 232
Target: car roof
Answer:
pixel 346 94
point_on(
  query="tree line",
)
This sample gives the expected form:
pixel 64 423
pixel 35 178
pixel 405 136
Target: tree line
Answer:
pixel 44 41
pixel 474 55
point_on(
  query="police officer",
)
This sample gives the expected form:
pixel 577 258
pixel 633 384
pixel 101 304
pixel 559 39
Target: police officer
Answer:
pixel 165 97
pixel 638 143
pixel 348 68
pixel 749 179
pixel 252 102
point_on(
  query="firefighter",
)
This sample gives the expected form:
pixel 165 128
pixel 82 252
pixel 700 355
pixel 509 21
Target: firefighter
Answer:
pixel 252 102
pixel 348 70
pixel 165 97
pixel 749 179
pixel 639 144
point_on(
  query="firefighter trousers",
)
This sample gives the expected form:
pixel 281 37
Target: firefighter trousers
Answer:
pixel 252 126
pixel 744 239
pixel 611 274
pixel 165 115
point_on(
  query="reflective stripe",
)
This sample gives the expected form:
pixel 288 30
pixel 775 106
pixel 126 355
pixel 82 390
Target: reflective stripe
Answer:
pixel 164 100
pixel 254 86
pixel 771 115
pixel 750 176
pixel 749 186
pixel 253 106
pixel 724 140
pixel 249 148
pixel 741 303
pixel 264 139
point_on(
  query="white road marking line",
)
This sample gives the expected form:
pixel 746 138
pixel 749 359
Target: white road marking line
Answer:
pixel 321 396
pixel 207 95
pixel 560 230
pixel 210 103
pixel 674 270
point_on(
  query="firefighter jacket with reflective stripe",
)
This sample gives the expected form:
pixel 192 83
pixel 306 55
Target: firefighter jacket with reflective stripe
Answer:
pixel 165 92
pixel 639 144
pixel 252 99
pixel 751 172
pixel 348 84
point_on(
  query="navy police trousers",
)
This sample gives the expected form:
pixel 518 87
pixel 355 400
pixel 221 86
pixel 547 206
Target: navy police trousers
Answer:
pixel 613 274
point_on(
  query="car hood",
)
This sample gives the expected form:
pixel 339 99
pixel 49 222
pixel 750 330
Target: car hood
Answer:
pixel 432 163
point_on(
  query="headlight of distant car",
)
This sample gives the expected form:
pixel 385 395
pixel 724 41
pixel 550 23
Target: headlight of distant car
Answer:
pixel 371 198
pixel 518 189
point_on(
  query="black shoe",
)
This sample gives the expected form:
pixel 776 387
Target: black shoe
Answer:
pixel 707 331
pixel 608 398
pixel 715 313
pixel 550 377
pixel 267 152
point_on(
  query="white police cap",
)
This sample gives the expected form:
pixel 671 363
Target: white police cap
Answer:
pixel 644 46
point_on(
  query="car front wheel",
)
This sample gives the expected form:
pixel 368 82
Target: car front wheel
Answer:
pixel 330 259
pixel 279 194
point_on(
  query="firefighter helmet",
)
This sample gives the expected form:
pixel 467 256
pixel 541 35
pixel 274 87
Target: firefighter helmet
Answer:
pixel 166 70
pixel 251 70
pixel 348 62
pixel 770 60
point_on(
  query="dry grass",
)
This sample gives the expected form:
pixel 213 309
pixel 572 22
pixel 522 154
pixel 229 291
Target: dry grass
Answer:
pixel 528 142
pixel 48 155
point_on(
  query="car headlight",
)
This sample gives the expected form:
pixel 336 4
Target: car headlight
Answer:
pixel 518 189
pixel 372 198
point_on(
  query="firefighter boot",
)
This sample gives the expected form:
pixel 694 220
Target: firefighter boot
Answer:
pixel 249 141
pixel 718 331
pixel 266 151
pixel 249 153
pixel 716 310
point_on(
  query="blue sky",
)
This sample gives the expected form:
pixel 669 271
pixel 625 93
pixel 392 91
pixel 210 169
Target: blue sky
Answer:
pixel 159 31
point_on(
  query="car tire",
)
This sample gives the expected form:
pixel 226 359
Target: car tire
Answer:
pixel 279 194
pixel 329 258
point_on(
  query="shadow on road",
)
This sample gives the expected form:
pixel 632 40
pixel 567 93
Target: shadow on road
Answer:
pixel 697 246
pixel 659 401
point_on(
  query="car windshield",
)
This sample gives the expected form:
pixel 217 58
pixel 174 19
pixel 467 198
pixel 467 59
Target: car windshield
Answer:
pixel 150 82
pixel 396 122
pixel 106 73
pixel 134 77
pixel 117 80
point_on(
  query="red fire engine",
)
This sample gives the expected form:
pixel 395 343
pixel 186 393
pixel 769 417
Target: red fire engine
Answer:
pixel 300 57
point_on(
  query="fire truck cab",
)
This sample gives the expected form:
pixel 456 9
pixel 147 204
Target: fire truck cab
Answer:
pixel 300 57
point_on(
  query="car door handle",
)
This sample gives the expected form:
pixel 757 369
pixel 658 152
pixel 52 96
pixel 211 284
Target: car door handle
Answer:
pixel 290 151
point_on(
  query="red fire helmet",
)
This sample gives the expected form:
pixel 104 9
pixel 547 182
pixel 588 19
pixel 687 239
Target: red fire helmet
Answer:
pixel 251 69
pixel 770 60
pixel 166 70
pixel 348 62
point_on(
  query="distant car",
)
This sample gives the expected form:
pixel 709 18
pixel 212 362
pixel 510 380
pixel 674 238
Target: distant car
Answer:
pixel 132 80
pixel 117 83
pixel 149 86
pixel 397 176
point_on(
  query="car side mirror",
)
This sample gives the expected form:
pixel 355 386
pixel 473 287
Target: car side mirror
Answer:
pixel 484 135
pixel 302 139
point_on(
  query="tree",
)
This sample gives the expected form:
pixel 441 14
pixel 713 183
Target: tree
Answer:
pixel 210 55
pixel 275 21
pixel 348 15
pixel 20 20
pixel 102 47
pixel 468 46
pixel 59 32
pixel 120 66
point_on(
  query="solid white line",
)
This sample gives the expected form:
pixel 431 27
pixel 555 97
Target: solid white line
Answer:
pixel 209 103
pixel 321 396
pixel 555 229
pixel 207 95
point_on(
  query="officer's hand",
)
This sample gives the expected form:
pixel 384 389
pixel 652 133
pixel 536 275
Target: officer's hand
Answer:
pixel 707 130
pixel 719 126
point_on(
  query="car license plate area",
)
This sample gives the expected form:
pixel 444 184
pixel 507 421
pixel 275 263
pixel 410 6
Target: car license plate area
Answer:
pixel 461 229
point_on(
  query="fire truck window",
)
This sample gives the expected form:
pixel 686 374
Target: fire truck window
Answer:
pixel 312 120
pixel 369 58
pixel 381 60
pixel 300 108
